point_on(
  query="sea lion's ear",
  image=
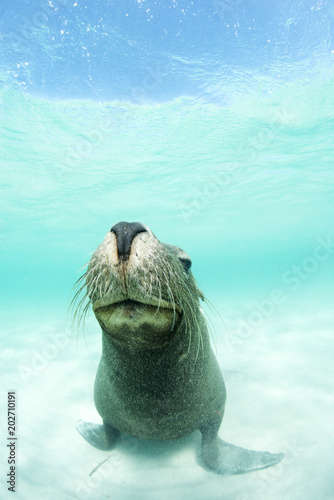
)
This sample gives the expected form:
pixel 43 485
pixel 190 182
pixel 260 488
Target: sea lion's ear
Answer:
pixel 181 255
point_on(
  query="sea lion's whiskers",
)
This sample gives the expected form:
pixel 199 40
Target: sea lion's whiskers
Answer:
pixel 84 313
pixel 188 331
pixel 189 307
pixel 210 324
pixel 82 267
pixel 106 286
pixel 149 286
pixel 170 297
pixel 80 305
pixel 91 269
pixel 79 279
pixel 97 286
pixel 82 317
pixel 76 295
pixel 77 290
pixel 90 289
pixel 214 310
pixel 199 341
pixel 77 299
pixel 211 328
pixel 160 298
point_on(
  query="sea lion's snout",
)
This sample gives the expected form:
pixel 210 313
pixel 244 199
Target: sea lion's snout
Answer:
pixel 125 233
pixel 138 286
pixel 141 289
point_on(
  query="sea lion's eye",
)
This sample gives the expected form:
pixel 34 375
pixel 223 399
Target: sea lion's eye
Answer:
pixel 186 264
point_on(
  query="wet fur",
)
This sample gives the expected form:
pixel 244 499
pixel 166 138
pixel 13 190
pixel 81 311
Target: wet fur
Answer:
pixel 159 275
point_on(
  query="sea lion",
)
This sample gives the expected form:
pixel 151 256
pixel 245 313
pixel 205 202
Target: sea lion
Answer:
pixel 158 377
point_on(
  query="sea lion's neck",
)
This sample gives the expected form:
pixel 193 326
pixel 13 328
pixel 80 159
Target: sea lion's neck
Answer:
pixel 126 359
pixel 131 353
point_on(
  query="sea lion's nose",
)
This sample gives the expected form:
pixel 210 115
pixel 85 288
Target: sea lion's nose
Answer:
pixel 125 233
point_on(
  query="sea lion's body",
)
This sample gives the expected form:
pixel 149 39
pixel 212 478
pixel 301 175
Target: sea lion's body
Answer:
pixel 156 394
pixel 158 377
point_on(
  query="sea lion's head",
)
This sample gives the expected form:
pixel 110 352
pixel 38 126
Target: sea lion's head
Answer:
pixel 141 290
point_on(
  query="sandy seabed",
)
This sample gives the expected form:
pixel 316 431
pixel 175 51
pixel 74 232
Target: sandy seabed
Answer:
pixel 279 380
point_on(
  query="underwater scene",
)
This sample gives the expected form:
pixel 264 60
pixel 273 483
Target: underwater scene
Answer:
pixel 211 125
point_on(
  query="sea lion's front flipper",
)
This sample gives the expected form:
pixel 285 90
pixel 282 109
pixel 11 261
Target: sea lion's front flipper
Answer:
pixel 103 437
pixel 226 458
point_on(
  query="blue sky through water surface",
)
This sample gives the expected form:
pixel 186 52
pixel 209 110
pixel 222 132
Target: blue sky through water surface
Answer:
pixel 154 51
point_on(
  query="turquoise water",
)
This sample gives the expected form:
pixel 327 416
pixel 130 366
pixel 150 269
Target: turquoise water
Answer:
pixel 218 135
pixel 245 188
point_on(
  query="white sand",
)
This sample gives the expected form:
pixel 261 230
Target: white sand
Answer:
pixel 280 398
